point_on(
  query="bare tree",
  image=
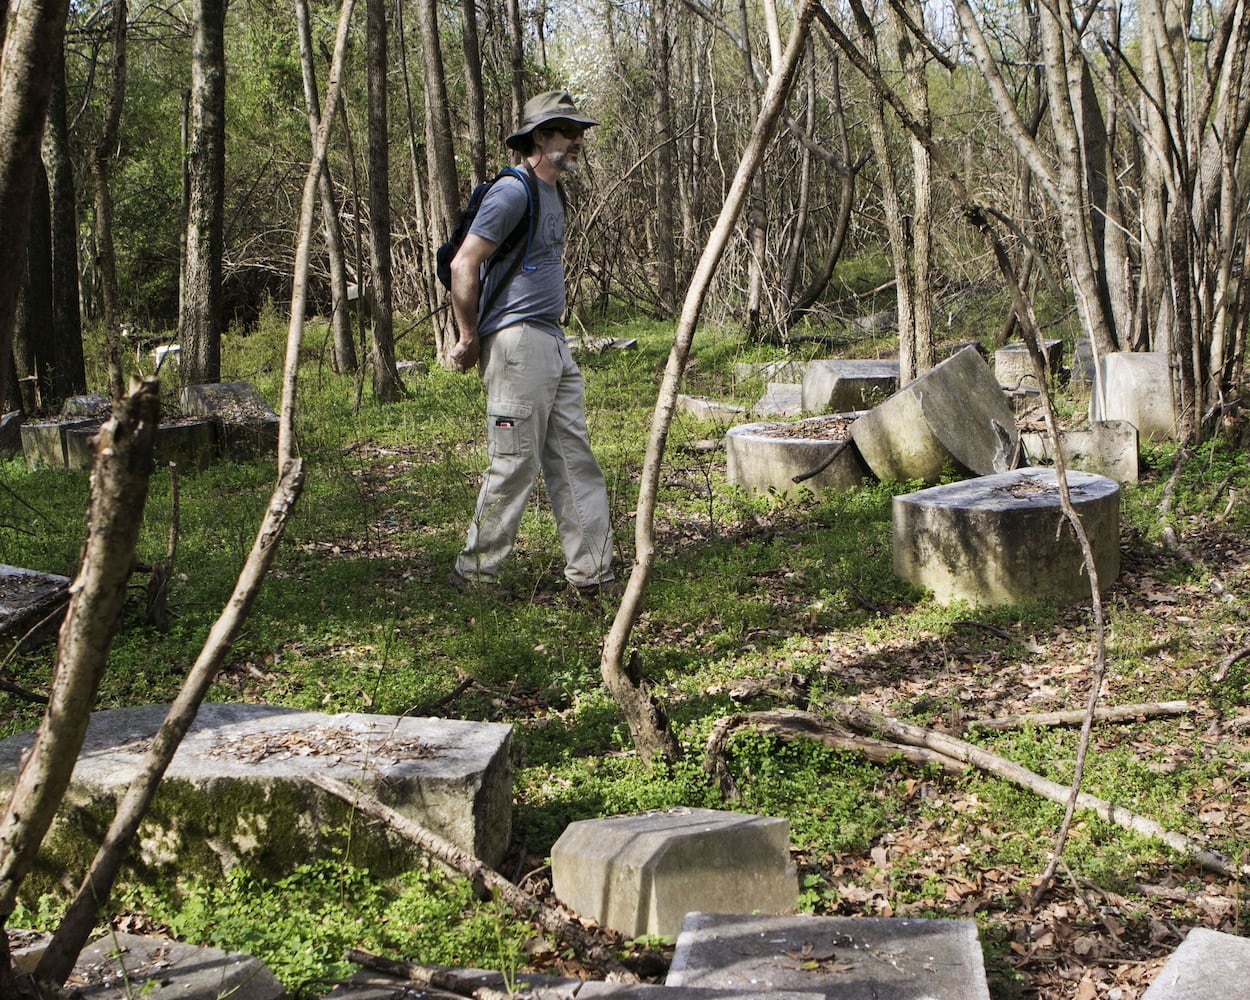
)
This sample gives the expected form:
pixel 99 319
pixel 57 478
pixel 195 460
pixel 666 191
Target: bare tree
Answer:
pixel 32 37
pixel 386 384
pixel 200 324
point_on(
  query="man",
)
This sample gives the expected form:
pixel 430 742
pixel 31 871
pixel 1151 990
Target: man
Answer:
pixel 535 406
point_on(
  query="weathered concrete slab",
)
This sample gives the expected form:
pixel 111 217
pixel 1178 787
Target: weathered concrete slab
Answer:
pixel 191 444
pixel 766 456
pixel 783 399
pixel 1208 965
pixel 1107 448
pixel 782 370
pixel 1082 376
pixel 10 434
pixel 43 442
pixel 641 874
pixel 124 966
pixel 1136 387
pixel 246 425
pixel 954 415
pixel 236 792
pixel 32 605
pixel 1013 365
pixel 601 345
pixel 843 386
pixel 710 409
pixel 850 958
pixel 1002 539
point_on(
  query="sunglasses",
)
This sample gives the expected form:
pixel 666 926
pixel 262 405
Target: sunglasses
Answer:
pixel 569 130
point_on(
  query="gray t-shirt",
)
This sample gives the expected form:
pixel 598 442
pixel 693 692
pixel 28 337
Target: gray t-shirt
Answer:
pixel 535 292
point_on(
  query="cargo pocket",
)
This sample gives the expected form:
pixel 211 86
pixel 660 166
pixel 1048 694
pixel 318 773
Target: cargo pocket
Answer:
pixel 505 430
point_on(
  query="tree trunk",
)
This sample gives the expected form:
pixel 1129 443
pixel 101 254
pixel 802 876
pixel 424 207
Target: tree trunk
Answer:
pixel 32 38
pixel 516 41
pixel 439 149
pixel 200 359
pixel 340 313
pixel 647 724
pixel 68 376
pixel 665 164
pixel 101 160
pixel 32 356
pixel 426 245
pixel 475 94
pixel 386 385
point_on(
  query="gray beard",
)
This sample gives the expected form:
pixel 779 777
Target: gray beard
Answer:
pixel 564 165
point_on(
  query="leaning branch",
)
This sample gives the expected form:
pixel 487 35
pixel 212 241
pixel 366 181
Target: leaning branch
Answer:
pixel 480 874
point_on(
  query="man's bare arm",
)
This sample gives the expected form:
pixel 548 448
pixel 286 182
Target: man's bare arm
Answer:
pixel 466 290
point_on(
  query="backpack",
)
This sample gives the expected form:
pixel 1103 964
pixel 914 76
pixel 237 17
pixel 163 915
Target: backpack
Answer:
pixel 524 229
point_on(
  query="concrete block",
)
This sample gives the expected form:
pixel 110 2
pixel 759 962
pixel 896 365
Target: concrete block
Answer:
pixel 783 399
pixel 842 386
pixel 10 434
pixel 191 444
pixel 1013 365
pixel 1108 448
pixel 851 958
pixel 246 425
pixel 955 414
pixel 236 791
pixel 710 409
pixel 1136 387
pixel 91 406
pixel 994 540
pixel 641 874
pixel 44 444
pixel 32 605
pixel 765 457
pixel 1208 965
pixel 122 966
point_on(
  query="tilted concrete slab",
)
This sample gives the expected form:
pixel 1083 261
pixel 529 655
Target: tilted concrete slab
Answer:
pixel 953 415
pixel 641 874
pixel 710 409
pixel 1107 448
pixel 32 605
pixel 246 425
pixel 1002 539
pixel 1137 387
pixel 783 399
pixel 1013 364
pixel 236 791
pixel 125 966
pixel 850 958
pixel 1208 965
pixel 766 456
pixel 842 386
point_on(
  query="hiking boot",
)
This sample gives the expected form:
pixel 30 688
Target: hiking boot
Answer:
pixel 478 588
pixel 592 592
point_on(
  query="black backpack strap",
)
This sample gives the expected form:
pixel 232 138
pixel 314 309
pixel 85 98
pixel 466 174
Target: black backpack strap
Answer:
pixel 520 259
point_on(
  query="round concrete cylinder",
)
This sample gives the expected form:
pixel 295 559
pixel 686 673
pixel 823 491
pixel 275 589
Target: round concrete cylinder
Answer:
pixel 762 460
pixel 1002 539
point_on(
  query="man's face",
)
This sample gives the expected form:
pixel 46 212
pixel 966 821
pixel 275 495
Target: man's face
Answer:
pixel 561 145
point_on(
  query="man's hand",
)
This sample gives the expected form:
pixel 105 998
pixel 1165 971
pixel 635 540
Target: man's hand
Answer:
pixel 465 353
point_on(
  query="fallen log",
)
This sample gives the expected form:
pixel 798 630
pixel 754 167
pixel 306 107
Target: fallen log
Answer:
pixel 571 934
pixel 1109 713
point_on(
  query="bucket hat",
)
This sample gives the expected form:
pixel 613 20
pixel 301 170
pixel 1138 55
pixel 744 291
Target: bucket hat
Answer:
pixel 545 109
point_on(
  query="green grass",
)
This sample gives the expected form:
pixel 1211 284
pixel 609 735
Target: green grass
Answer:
pixel 356 616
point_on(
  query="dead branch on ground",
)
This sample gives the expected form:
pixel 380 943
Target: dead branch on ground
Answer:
pixel 1112 713
pixel 449 981
pixel 952 754
pixel 480 874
